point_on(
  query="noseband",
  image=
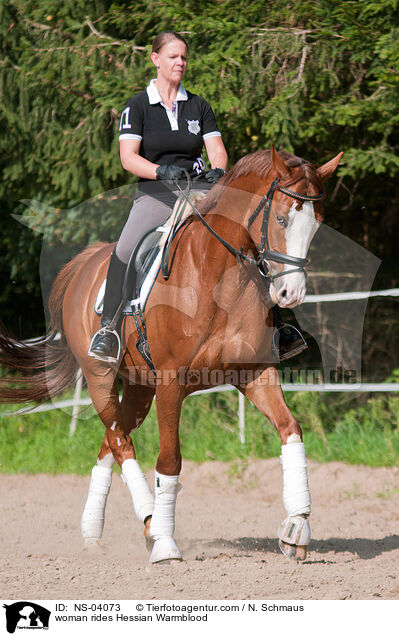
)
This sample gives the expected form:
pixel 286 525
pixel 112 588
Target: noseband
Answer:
pixel 265 254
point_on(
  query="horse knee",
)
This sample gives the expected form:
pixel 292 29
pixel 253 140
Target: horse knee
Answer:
pixel 169 465
pixel 289 430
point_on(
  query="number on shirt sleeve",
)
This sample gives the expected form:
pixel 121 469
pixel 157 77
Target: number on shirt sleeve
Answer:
pixel 124 124
pixel 131 123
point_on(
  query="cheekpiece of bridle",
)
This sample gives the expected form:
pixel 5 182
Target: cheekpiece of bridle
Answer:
pixel 265 254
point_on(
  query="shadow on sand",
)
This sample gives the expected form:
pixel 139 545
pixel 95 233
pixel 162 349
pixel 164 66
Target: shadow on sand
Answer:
pixel 361 547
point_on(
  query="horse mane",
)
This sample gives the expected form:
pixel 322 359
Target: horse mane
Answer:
pixel 259 163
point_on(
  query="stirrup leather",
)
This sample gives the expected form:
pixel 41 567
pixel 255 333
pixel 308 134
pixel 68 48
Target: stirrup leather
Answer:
pixel 97 356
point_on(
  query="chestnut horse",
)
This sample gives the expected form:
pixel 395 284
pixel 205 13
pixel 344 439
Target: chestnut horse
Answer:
pixel 214 314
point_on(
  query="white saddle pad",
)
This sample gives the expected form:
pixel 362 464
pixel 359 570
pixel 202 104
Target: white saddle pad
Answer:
pixel 145 288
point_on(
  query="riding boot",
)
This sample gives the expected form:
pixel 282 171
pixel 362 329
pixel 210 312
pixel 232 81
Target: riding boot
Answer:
pixel 287 339
pixel 105 344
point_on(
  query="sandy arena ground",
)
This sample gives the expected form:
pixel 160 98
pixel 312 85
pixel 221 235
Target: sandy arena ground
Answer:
pixel 227 517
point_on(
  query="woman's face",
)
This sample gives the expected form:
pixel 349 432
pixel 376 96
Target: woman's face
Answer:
pixel 171 61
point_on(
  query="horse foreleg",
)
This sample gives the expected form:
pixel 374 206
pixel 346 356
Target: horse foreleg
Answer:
pixel 294 532
pixel 167 487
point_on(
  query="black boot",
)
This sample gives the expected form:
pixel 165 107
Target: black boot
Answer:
pixel 287 339
pixel 105 344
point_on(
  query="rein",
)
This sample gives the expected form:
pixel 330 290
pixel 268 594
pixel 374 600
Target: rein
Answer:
pixel 265 254
pixel 239 254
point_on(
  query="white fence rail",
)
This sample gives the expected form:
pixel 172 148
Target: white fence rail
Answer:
pixel 78 401
pixel 328 298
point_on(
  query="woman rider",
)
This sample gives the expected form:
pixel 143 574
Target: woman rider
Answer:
pixel 162 132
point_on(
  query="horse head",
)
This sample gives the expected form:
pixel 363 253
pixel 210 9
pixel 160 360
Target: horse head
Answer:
pixel 285 221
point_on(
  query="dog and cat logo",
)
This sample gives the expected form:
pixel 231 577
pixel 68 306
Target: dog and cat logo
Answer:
pixel 26 615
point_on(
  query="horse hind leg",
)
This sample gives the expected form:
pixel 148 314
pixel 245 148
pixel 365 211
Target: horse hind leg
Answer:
pixel 92 521
pixel 294 532
pixel 119 420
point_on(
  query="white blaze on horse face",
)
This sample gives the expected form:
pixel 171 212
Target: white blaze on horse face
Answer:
pixel 302 226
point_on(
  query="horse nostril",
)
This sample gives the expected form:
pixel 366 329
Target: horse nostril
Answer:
pixel 283 293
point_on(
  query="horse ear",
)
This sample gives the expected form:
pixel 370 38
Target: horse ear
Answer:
pixel 329 168
pixel 278 163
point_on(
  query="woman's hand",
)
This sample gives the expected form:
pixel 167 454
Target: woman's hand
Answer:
pixel 170 172
pixel 213 176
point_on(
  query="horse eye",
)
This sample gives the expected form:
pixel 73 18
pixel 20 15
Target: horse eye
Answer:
pixel 281 220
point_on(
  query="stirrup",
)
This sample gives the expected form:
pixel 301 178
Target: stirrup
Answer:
pixel 104 358
pixel 299 347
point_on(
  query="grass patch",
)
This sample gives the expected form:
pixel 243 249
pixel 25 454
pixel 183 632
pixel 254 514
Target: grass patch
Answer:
pixel 335 429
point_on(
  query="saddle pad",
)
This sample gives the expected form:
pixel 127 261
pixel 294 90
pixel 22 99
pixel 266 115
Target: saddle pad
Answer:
pixel 145 288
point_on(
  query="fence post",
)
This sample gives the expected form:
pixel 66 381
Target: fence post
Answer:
pixel 76 400
pixel 241 416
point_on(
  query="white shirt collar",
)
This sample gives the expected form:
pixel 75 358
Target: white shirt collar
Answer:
pixel 155 98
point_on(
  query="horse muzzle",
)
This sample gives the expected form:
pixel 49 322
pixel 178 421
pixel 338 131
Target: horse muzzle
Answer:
pixel 290 291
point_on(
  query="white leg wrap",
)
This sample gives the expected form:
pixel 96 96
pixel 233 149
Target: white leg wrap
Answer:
pixel 92 522
pixel 143 499
pixel 296 495
pixel 163 519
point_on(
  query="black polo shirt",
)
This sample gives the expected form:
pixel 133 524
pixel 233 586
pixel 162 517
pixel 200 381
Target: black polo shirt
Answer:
pixel 169 136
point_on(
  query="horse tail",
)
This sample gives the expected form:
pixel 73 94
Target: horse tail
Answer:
pixel 45 366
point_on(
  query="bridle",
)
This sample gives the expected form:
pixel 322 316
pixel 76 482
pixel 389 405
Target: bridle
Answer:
pixel 265 254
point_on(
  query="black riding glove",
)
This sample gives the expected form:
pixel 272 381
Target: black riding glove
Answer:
pixel 169 172
pixel 213 176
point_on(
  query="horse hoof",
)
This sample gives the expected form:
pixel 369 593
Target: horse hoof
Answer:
pixel 295 552
pixel 149 541
pixel 301 552
pixel 165 549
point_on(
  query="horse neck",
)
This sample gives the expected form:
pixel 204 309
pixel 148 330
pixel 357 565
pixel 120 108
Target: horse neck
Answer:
pixel 230 216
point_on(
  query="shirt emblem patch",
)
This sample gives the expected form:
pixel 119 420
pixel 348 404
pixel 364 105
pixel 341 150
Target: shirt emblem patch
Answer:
pixel 193 126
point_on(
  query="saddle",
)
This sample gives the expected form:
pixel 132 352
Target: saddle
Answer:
pixel 141 273
pixel 149 256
